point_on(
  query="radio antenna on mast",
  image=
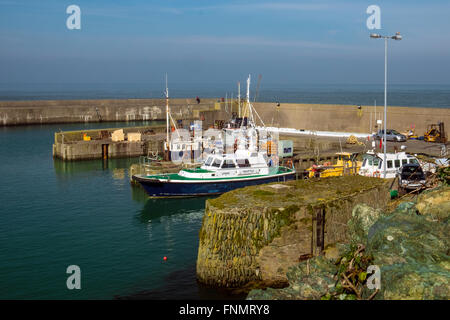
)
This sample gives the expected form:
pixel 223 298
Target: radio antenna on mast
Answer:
pixel 257 87
pixel 166 92
pixel 239 99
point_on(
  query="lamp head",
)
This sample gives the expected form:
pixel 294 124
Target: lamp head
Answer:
pixel 375 35
pixel 397 36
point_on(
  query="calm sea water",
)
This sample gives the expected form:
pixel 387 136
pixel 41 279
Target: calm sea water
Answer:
pixel 437 96
pixel 54 214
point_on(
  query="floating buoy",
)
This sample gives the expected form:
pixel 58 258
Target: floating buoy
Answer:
pixel 165 258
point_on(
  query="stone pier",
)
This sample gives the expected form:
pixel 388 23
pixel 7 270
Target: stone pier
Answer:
pixel 253 235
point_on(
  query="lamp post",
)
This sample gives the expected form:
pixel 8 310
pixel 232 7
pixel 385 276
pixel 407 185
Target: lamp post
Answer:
pixel 397 36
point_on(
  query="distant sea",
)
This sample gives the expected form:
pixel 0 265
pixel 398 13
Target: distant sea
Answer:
pixel 437 96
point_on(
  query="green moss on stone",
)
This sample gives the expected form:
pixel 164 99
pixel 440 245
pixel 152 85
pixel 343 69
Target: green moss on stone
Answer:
pixel 262 193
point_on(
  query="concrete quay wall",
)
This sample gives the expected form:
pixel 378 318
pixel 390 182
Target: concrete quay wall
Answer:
pixel 348 118
pixel 88 150
pixel 69 145
pixel 73 111
pixel 320 117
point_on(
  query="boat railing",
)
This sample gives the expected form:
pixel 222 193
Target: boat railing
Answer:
pixel 149 159
pixel 165 176
pixel 147 162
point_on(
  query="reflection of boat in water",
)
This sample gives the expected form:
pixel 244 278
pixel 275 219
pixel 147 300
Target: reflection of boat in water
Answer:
pixel 118 167
pixel 155 209
pixel 346 165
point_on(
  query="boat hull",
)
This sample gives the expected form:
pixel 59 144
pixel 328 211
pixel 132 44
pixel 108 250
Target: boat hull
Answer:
pixel 161 188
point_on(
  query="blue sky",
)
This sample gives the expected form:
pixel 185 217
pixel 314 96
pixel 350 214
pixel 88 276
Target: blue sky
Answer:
pixel 220 41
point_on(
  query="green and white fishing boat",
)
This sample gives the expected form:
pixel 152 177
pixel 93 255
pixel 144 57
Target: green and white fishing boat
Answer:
pixel 247 165
pixel 219 174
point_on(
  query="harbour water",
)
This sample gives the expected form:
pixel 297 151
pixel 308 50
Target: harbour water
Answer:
pixel 54 214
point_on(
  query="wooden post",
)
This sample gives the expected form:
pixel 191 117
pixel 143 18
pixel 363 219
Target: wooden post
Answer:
pixel 318 231
pixel 104 151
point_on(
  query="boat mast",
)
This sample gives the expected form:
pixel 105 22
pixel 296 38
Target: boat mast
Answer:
pixel 239 98
pixel 375 103
pixel 167 121
pixel 226 102
pixel 250 113
pixel 250 107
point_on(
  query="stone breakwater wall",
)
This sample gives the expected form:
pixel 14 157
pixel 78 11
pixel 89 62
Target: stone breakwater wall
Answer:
pixel 251 236
pixel 324 117
pixel 72 111
pixel 349 118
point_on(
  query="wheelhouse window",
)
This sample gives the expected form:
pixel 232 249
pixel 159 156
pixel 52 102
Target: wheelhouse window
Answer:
pixel 389 164
pixel 370 161
pixel 344 157
pixel 404 161
pixel 228 164
pixel 217 163
pixel 413 160
pixel 243 163
pixel 208 161
pixel 397 163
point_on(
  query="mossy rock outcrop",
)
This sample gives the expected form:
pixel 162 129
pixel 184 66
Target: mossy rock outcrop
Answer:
pixel 255 234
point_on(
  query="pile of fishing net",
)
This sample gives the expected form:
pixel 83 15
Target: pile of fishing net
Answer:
pixel 410 246
pixel 353 140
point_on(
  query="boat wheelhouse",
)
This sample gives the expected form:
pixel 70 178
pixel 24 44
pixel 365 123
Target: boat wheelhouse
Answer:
pixel 372 165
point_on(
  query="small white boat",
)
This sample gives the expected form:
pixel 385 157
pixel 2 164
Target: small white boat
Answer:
pixel 372 165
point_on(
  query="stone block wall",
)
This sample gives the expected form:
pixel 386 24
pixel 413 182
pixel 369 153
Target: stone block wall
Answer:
pixel 252 235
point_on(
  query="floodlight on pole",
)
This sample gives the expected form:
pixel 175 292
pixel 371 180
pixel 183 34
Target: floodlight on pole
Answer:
pixel 397 36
